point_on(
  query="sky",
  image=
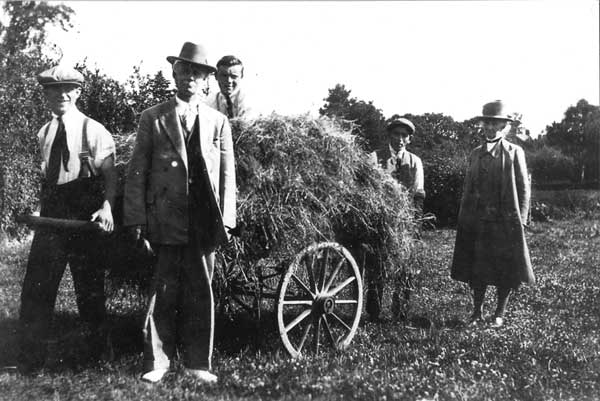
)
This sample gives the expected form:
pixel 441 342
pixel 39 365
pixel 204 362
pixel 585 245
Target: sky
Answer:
pixel 450 57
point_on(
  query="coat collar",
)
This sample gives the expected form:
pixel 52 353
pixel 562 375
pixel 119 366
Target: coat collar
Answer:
pixel 172 127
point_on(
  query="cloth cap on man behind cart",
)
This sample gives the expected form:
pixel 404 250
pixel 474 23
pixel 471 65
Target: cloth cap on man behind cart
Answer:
pixel 495 110
pixel 60 75
pixel 400 122
pixel 193 53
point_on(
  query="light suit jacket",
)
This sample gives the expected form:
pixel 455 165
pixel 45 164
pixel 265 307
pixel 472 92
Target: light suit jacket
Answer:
pixel 156 188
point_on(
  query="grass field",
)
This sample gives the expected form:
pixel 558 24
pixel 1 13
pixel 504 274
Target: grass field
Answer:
pixel 548 349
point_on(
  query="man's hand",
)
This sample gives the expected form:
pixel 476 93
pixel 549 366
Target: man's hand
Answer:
pixel 137 233
pixel 104 217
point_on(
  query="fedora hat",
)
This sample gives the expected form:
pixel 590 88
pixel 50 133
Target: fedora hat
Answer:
pixel 193 53
pixel 495 111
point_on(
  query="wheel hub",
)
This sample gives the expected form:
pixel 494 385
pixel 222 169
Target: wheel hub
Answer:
pixel 325 305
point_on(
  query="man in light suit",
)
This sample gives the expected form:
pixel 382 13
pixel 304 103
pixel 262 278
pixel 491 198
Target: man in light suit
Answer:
pixel 180 193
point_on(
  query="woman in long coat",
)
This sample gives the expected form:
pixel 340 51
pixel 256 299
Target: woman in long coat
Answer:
pixel 490 246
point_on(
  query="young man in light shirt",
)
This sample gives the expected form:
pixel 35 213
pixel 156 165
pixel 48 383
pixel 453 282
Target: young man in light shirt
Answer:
pixel 74 150
pixel 231 97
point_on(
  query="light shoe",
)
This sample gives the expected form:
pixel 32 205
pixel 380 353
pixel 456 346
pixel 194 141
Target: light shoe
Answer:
pixel 498 322
pixel 475 320
pixel 202 375
pixel 154 376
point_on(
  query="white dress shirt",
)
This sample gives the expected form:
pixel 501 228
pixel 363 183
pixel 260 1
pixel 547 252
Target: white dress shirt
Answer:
pixel 100 143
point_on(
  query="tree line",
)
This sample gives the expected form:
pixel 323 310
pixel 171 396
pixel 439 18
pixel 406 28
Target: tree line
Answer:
pixel 567 156
pixel 568 153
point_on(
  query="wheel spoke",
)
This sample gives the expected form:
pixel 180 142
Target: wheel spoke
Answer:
pixel 346 301
pixel 339 319
pixel 341 286
pixel 304 287
pixel 304 336
pixel 334 274
pixel 297 320
pixel 311 274
pixel 317 335
pixel 299 302
pixel 328 331
pixel 323 269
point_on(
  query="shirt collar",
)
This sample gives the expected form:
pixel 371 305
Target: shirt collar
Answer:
pixel 495 150
pixel 70 114
pixel 398 154
pixel 182 105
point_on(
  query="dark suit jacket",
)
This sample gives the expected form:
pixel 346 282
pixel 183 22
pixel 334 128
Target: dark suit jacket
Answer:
pixel 156 188
pixel 515 193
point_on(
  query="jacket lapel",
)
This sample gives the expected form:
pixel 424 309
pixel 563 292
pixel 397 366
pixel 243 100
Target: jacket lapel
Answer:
pixel 506 156
pixel 172 128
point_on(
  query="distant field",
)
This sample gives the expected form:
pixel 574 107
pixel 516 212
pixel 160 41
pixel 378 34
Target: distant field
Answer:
pixel 549 348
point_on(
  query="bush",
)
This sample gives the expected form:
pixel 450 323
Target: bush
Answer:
pixel 548 164
pixel 444 177
pixel 22 114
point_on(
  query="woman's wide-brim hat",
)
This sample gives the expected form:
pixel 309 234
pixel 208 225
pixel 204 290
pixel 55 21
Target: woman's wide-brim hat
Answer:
pixel 495 111
pixel 193 53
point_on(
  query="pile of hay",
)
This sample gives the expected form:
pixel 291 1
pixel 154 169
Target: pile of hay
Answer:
pixel 303 180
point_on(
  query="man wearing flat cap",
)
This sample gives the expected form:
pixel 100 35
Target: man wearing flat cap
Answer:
pixel 490 247
pixel 180 193
pixel 404 166
pixel 231 97
pixel 75 150
pixel 407 169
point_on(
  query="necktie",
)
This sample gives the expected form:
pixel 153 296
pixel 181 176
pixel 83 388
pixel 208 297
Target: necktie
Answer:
pixel 229 106
pixel 188 118
pixel 58 151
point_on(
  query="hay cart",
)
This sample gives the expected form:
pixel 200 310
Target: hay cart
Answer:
pixel 318 293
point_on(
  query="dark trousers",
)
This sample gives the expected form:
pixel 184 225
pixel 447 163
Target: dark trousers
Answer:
pixel 50 252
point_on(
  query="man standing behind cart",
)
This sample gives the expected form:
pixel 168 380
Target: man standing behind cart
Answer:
pixel 75 149
pixel 407 169
pixel 404 166
pixel 180 190
pixel 231 98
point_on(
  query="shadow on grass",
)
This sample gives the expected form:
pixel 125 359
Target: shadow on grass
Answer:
pixel 69 346
pixel 8 342
pixel 242 332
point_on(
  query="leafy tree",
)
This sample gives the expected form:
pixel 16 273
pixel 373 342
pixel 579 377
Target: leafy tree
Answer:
pixel 591 154
pixel 145 90
pixel 23 53
pixel 369 119
pixel 105 100
pixel 569 134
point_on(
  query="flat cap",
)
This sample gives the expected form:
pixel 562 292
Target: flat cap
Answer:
pixel 60 75
pixel 400 121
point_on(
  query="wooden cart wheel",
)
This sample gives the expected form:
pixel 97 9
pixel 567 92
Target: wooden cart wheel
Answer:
pixel 320 299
